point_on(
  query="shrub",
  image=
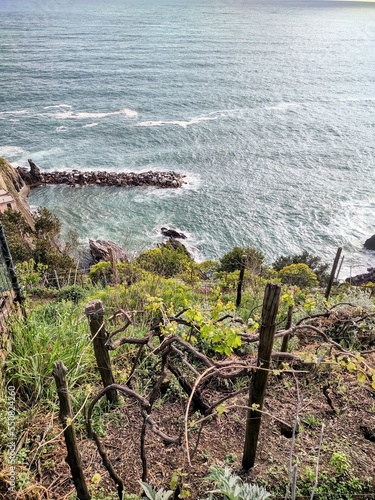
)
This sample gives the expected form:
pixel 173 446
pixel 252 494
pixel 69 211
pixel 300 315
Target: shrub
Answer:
pixel 47 224
pixel 314 263
pixel 29 273
pixel 207 269
pixel 233 487
pixel 16 230
pixel 73 293
pixel 232 260
pixel 153 494
pixel 165 261
pixel 299 275
pixel 101 272
pixel 47 253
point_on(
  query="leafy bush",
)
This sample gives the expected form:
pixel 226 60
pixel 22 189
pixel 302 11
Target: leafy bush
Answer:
pixel 101 272
pixel 333 486
pixel 232 260
pixel 207 268
pixel 47 224
pixel 47 253
pixel 165 261
pixel 73 293
pixel 153 494
pixel 299 275
pixel 314 263
pixel 41 245
pixel 233 487
pixel 16 231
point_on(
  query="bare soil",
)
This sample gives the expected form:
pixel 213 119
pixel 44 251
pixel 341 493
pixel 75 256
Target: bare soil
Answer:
pixel 346 409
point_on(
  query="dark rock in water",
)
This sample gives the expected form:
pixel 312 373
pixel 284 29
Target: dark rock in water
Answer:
pixel 102 249
pixel 32 177
pixel 175 244
pixel 362 279
pixel 34 170
pixel 370 243
pixel 172 233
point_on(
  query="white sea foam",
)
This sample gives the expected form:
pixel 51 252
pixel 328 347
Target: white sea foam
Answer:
pixel 83 115
pixel 68 106
pixel 282 106
pixel 180 123
pixel 192 182
pixel 11 151
pixel 89 125
pixel 16 112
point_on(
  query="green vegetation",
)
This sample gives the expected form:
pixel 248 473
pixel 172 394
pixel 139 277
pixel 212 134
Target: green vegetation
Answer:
pixel 165 261
pixel 232 260
pixel 232 487
pixel 40 245
pixel 54 331
pixel 162 296
pixel 299 275
pixel 313 262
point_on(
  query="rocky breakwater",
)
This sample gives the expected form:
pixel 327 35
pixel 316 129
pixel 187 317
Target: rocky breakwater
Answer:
pixel 36 177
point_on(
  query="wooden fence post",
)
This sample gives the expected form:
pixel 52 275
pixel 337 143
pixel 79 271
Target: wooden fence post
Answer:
pixel 259 378
pixel 333 273
pixel 240 281
pixel 95 314
pixel 339 268
pixel 66 414
pixel 288 324
pixel 112 260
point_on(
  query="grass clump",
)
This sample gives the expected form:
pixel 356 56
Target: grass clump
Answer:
pixel 52 332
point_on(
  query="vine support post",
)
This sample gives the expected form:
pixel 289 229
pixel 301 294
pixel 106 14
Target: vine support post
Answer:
pixel 240 281
pixel 66 415
pixel 288 324
pixel 94 311
pixel 260 376
pixel 333 273
pixel 112 259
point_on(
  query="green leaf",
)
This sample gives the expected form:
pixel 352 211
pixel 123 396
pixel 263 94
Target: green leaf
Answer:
pixel 185 493
pixel 221 408
pixel 361 377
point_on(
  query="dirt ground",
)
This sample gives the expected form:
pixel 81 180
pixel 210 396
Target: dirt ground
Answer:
pixel 346 409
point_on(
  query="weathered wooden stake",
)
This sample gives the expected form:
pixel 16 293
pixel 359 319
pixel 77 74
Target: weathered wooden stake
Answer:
pixel 339 268
pixel 95 314
pixel 288 324
pixel 240 281
pixel 66 414
pixel 333 273
pixel 57 280
pixel 75 275
pixel 259 378
pixel 116 279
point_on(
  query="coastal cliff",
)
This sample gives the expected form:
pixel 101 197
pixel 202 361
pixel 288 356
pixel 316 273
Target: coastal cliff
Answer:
pixel 12 183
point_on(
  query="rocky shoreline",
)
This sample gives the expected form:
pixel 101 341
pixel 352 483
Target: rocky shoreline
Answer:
pixel 36 177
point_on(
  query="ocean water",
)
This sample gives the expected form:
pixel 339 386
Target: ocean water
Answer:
pixel 267 107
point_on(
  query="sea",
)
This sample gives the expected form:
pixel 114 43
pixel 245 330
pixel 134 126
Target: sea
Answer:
pixel 267 107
